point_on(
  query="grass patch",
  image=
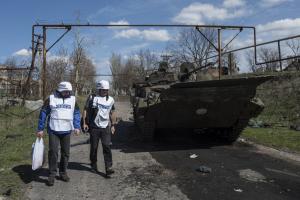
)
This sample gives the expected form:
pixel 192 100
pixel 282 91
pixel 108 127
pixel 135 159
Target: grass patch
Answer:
pixel 16 137
pixel 17 133
pixel 278 138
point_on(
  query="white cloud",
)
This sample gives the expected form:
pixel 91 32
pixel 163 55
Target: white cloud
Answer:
pixel 22 52
pixel 156 35
pixel 152 35
pixel 120 22
pixel 233 3
pixel 198 13
pixel 271 3
pixel 280 28
pixel 128 33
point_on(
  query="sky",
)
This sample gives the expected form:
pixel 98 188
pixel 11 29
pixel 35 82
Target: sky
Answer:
pixel 272 18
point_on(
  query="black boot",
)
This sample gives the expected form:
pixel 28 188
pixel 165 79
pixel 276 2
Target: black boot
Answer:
pixel 94 167
pixel 64 177
pixel 51 180
pixel 109 171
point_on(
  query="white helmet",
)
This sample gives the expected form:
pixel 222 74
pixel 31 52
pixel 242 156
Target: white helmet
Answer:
pixel 64 86
pixel 102 85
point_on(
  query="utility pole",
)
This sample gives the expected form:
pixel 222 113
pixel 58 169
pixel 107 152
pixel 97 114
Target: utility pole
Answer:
pixel 44 62
pixel 34 49
pixel 220 52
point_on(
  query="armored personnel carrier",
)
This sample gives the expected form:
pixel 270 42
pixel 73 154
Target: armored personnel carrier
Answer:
pixel 168 100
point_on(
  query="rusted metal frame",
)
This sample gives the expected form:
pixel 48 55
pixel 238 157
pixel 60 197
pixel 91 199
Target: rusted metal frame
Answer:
pixel 233 38
pixel 69 26
pixel 139 25
pixel 219 49
pixel 260 44
pixel 279 54
pixel 278 60
pixel 255 46
pixel 68 29
pixel 210 42
pixel 34 50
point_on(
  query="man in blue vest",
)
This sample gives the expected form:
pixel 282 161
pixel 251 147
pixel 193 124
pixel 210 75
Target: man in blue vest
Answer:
pixel 99 110
pixel 64 117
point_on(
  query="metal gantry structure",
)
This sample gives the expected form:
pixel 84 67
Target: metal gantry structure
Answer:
pixel 218 48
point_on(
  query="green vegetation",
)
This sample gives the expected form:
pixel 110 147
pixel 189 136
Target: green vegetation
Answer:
pixel 278 138
pixel 17 134
pixel 281 97
pixel 16 137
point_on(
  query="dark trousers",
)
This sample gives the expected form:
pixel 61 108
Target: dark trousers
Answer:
pixel 105 135
pixel 54 142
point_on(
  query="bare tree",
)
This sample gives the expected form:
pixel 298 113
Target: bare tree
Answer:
pixel 116 70
pixel 77 59
pixel 82 74
pixel 264 55
pixel 147 59
pixel 86 71
pixel 130 70
pixel 11 62
pixel 294 45
pixel 230 63
pixel 58 69
pixel 11 81
pixel 192 47
pixel 131 73
pixel 16 78
pixel 267 55
pixel 83 67
pixel 251 60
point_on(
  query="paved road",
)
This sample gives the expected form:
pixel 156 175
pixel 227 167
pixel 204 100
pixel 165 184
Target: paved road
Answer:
pixel 164 170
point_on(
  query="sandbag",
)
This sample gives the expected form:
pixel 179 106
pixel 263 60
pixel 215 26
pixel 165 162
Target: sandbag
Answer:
pixel 38 153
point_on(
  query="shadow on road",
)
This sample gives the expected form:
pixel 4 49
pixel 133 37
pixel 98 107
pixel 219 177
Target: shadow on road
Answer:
pixel 27 175
pixel 83 167
pixel 128 139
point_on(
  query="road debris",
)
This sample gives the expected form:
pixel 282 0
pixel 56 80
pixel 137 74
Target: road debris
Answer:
pixel 238 190
pixel 251 175
pixel 257 124
pixel 204 169
pixel 193 156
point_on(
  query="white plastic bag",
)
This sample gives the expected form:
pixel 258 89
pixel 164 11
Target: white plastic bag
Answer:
pixel 38 153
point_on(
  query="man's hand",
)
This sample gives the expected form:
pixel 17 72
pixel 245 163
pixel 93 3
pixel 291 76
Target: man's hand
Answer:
pixel 76 132
pixel 113 130
pixel 40 134
pixel 85 127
